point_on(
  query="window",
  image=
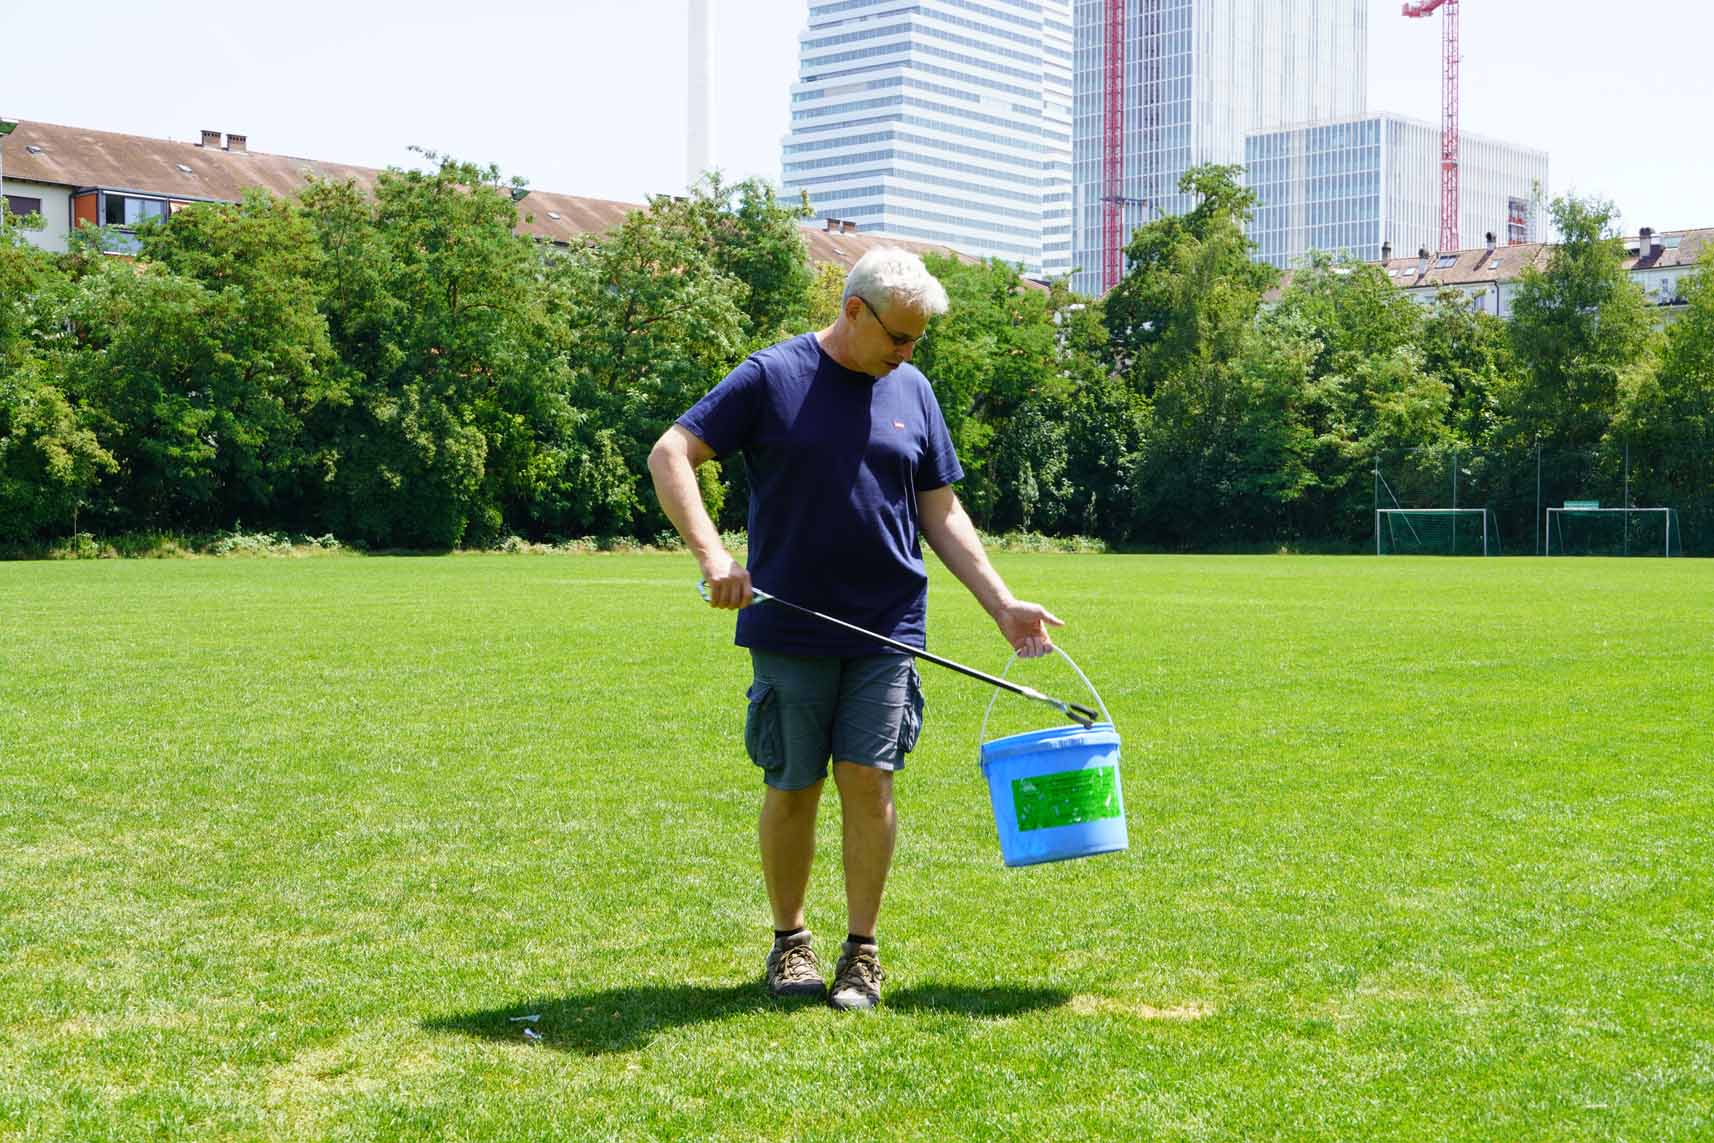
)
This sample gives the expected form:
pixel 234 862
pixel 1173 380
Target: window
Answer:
pixel 20 206
pixel 123 210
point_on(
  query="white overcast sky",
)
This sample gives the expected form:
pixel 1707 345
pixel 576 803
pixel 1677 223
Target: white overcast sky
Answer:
pixel 588 97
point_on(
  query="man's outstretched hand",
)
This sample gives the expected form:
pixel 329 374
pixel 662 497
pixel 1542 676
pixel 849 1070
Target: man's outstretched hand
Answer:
pixel 1025 627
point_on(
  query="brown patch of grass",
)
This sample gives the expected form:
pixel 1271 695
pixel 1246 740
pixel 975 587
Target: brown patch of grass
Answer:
pixel 1087 1005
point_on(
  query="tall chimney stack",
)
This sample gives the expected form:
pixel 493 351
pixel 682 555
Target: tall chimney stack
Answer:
pixel 699 127
pixel 1493 240
pixel 210 139
pixel 237 144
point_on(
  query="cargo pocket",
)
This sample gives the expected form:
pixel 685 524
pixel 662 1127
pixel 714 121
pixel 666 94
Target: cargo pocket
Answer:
pixel 910 724
pixel 762 726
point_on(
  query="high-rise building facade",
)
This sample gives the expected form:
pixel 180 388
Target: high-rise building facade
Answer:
pixel 1349 187
pixel 1199 76
pixel 942 120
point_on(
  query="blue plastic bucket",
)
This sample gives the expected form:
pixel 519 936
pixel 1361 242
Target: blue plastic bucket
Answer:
pixel 1056 792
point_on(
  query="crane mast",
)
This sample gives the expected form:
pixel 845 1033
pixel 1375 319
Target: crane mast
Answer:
pixel 1113 148
pixel 1449 143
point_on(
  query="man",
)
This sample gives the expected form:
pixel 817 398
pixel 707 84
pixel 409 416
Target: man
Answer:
pixel 849 461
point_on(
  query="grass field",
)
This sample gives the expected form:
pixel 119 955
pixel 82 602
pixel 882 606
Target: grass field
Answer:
pixel 1420 849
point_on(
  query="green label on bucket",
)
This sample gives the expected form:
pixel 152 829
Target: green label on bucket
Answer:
pixel 1066 798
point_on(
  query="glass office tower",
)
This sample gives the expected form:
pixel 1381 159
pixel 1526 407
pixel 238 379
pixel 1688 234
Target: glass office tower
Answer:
pixel 941 120
pixel 1199 77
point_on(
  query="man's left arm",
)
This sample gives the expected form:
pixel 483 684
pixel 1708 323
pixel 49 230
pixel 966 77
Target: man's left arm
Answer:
pixel 948 530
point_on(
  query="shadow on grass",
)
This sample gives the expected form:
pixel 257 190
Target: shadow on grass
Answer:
pixel 624 1019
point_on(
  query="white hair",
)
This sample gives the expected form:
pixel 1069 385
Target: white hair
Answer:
pixel 888 274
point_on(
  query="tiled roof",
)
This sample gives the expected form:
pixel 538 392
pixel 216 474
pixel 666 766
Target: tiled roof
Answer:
pixel 73 156
pixel 77 157
pixel 1670 249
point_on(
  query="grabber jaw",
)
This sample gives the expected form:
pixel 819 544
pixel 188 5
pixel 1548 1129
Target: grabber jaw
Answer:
pixel 1081 715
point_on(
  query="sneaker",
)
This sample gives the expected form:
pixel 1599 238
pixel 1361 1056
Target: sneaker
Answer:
pixel 857 977
pixel 793 969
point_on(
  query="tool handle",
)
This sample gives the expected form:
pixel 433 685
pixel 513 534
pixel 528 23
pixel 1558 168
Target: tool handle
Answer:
pixel 757 594
pixel 1081 715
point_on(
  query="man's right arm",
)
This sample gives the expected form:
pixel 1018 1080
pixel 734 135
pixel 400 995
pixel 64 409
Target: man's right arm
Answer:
pixel 672 464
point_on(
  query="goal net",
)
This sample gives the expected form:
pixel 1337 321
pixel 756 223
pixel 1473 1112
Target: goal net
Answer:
pixel 1586 530
pixel 1436 532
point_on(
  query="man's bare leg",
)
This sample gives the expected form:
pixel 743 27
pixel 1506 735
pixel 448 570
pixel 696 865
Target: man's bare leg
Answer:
pixel 869 829
pixel 787 832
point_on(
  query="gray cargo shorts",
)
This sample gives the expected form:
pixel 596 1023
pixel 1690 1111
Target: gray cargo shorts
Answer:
pixel 808 710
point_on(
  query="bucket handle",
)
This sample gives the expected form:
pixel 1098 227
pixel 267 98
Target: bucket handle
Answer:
pixel 982 735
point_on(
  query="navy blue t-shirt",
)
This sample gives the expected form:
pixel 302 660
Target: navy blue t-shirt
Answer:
pixel 836 458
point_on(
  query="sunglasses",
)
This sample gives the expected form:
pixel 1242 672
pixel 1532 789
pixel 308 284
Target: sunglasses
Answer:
pixel 899 339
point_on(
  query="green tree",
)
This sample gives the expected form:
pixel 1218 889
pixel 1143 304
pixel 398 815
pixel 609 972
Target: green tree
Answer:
pixel 1471 352
pixel 826 291
pixel 1107 428
pixel 1183 335
pixel 50 456
pixel 434 305
pixel 1579 328
pixel 1667 416
pixel 652 325
pixel 1368 389
pixel 256 376
pixel 51 460
pixel 1056 437
pixel 992 350
pixel 1190 290
pixel 750 236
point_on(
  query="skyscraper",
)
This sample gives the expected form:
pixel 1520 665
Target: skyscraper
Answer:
pixel 942 120
pixel 1200 76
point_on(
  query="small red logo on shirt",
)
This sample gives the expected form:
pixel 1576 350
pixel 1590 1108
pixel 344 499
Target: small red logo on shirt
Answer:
pixel 898 424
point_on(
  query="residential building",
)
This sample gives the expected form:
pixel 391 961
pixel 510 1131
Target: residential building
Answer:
pixel 1661 263
pixel 72 175
pixel 1200 76
pixel 1348 186
pixel 940 120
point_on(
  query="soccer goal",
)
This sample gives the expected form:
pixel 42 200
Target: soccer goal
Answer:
pixel 1436 532
pixel 1583 528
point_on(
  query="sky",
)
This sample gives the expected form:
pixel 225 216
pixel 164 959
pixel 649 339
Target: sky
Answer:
pixel 588 97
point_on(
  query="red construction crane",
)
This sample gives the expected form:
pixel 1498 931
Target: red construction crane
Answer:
pixel 1113 149
pixel 1448 118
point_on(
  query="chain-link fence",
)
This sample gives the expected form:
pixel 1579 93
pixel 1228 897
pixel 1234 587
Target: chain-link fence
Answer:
pixel 1584 487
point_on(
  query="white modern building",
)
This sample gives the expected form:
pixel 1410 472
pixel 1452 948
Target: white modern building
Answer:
pixel 1353 185
pixel 940 120
pixel 1199 77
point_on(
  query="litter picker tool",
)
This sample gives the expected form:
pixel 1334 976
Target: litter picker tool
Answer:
pixel 1082 715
